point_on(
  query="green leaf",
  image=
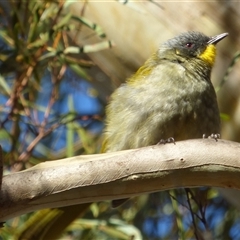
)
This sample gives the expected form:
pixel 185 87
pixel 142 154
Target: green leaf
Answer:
pixel 4 85
pixel 98 46
pixel 63 22
pixel 78 70
pixel 70 130
pixel 37 224
pixel 44 37
pixel 52 53
pixel 5 36
pixel 225 117
pixel 111 229
pixel 95 27
pixel 72 50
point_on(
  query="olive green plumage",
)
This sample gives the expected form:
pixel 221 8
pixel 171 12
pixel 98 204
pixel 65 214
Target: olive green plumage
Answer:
pixel 171 95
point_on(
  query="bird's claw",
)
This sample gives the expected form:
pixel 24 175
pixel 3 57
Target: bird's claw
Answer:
pixel 215 136
pixel 168 140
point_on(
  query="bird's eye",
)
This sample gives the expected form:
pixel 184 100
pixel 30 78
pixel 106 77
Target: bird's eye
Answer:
pixel 189 45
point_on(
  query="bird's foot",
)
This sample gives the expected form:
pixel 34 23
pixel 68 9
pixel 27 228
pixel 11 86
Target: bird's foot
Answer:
pixel 168 140
pixel 215 136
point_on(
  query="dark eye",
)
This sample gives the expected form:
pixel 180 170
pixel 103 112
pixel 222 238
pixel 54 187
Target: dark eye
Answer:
pixel 189 45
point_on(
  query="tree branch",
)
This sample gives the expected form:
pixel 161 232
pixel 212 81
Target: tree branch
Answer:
pixel 90 178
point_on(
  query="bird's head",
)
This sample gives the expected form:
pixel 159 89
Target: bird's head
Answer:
pixel 191 45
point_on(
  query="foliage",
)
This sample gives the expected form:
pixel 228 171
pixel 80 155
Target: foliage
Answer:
pixel 38 54
pixel 39 60
pixel 42 68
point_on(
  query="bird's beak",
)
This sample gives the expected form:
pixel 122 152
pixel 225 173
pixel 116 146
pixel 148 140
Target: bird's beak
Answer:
pixel 216 39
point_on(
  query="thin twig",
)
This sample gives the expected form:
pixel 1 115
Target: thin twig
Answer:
pixel 229 70
pixel 187 190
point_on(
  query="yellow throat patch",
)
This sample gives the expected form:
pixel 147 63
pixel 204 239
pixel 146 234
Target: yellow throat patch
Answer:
pixel 209 55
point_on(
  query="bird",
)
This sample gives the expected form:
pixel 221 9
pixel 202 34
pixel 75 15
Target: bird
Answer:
pixel 170 97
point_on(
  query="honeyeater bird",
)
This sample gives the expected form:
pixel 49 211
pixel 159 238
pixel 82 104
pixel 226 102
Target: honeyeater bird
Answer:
pixel 170 96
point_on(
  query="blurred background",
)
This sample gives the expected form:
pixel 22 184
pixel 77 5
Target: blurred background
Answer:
pixel 59 63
